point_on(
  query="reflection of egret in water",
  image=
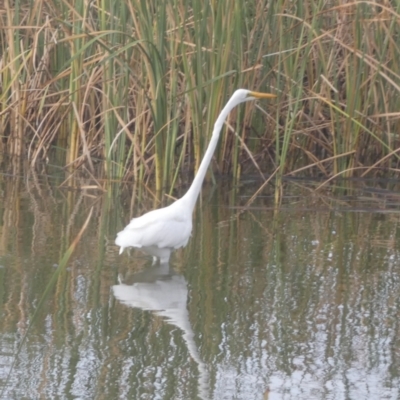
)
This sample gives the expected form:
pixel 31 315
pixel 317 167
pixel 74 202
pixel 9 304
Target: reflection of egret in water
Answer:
pixel 156 289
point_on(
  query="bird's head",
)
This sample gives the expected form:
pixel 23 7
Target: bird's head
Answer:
pixel 242 95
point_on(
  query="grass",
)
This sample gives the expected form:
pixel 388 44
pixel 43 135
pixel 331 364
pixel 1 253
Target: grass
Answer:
pixel 138 85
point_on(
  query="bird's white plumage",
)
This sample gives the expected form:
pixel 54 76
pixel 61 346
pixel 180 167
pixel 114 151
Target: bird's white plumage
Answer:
pixel 165 228
pixel 160 231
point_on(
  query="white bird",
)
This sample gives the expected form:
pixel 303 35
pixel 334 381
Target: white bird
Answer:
pixel 160 231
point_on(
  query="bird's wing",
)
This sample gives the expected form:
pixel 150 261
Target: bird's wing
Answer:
pixel 171 234
pixel 166 227
pixel 171 212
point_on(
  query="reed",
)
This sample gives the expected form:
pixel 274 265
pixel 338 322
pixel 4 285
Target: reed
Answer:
pixel 138 85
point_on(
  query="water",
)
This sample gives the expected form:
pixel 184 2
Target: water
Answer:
pixel 297 303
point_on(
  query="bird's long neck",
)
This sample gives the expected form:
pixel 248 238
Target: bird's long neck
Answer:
pixel 194 190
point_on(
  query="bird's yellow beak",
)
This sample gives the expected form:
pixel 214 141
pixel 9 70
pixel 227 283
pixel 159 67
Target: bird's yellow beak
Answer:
pixel 259 95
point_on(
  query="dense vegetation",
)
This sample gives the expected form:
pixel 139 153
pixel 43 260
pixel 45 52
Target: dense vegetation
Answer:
pixel 139 84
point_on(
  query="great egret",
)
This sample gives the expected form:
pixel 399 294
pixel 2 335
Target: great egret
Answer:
pixel 160 231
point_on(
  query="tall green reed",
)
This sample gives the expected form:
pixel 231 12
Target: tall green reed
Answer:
pixel 341 106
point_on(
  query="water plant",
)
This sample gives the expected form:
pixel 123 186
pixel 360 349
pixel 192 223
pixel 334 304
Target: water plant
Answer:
pixel 138 85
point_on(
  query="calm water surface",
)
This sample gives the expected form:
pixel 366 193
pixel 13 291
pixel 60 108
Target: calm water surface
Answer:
pixel 297 303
